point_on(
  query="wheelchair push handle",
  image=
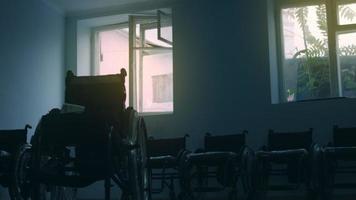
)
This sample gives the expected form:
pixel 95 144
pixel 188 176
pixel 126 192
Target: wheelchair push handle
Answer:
pixel 28 127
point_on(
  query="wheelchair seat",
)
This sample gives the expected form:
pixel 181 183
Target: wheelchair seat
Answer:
pixel 344 145
pixel 218 148
pixel 165 151
pixel 168 161
pixel 282 155
pixel 283 145
pixel 211 158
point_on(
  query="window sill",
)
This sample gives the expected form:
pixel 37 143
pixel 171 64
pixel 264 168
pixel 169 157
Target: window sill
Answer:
pixel 318 100
pixel 155 113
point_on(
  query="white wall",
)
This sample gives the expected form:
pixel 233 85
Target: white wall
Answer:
pixel 222 78
pixel 31 63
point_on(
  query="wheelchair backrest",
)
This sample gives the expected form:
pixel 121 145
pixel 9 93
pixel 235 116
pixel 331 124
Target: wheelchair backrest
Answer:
pixel 344 137
pixel 165 146
pixel 11 139
pixel 289 140
pixel 102 95
pixel 231 143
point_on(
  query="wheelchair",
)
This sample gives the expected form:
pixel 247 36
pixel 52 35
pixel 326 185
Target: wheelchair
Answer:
pixel 288 154
pixel 163 163
pixel 339 158
pixel 103 142
pixel 11 143
pixel 223 160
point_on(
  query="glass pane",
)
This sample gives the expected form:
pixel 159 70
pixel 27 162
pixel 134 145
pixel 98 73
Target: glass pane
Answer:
pixel 114 53
pixel 151 36
pixel 156 81
pixel 165 27
pixel 154 68
pixel 347 14
pixel 162 88
pixel 305 53
pixel 347 63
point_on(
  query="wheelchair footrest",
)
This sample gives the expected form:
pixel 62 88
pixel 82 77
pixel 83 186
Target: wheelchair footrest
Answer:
pixel 345 185
pixel 208 189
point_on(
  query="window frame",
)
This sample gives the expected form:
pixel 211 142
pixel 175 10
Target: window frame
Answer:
pixel 135 100
pixel 133 81
pixel 333 30
pixel 159 27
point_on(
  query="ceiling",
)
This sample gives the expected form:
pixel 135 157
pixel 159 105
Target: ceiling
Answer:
pixel 84 5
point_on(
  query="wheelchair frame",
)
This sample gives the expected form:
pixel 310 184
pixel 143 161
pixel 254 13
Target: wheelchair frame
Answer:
pixel 297 151
pixel 163 165
pixel 228 154
pixel 66 147
pixel 343 149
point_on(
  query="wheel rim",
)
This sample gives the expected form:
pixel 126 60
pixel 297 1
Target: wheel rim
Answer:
pixel 21 182
pixel 137 169
pixel 142 160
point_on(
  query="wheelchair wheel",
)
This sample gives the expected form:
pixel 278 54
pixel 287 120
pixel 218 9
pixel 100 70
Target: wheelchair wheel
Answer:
pixel 262 180
pixel 40 191
pixel 192 181
pixel 20 187
pixel 137 158
pixel 142 160
pixel 55 192
pixel 316 173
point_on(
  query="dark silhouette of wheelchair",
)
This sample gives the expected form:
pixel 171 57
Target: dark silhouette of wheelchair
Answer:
pixel 163 163
pixel 339 158
pixel 106 142
pixel 11 143
pixel 217 167
pixel 288 154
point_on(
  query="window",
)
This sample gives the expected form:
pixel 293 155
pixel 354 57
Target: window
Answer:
pixel 317 49
pixel 143 46
pixel 111 50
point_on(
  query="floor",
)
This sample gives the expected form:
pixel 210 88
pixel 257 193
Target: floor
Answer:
pixel 271 197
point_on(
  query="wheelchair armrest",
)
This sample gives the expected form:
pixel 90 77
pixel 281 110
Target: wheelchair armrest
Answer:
pixel 282 153
pixel 199 150
pixel 4 154
pixel 340 150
